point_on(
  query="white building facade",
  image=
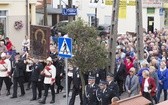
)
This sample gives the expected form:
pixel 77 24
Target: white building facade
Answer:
pixel 152 12
pixel 13 17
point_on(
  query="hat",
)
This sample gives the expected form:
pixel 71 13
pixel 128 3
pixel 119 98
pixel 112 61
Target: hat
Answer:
pixel 91 78
pixel 103 82
pixel 3 54
pixel 110 74
pixel 49 59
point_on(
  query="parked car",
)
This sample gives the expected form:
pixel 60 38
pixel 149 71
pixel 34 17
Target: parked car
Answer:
pixel 58 27
pixel 103 30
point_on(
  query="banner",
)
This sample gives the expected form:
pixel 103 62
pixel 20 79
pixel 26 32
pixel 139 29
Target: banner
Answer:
pixel 131 2
pixel 39 42
pixel 108 2
pixel 122 9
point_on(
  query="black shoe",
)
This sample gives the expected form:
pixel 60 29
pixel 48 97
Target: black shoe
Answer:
pixel 43 101
pixel 32 99
pixel 28 89
pixel 52 101
pixel 13 97
pixel 61 89
pixel 57 93
pixel 64 96
pixel 22 95
pixel 8 93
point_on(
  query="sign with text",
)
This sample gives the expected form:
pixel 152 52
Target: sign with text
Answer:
pixel 69 11
pixel 151 3
pixel 39 41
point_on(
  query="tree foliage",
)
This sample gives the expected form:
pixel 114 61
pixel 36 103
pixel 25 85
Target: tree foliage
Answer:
pixel 89 54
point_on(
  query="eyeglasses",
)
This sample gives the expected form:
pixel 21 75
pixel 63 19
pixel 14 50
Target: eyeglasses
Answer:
pixel 131 71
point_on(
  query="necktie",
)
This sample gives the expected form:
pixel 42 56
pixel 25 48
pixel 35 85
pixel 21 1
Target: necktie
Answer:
pixel 129 87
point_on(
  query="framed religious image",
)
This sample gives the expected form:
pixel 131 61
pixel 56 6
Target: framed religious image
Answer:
pixel 39 41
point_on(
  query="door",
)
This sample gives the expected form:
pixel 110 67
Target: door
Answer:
pixel 151 24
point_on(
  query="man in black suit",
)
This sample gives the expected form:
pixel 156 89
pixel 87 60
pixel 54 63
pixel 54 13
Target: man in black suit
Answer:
pixel 18 76
pixel 36 79
pixel 112 86
pixel 120 75
pixel 77 88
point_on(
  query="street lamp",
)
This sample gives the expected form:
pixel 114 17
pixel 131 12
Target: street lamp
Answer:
pixel 94 4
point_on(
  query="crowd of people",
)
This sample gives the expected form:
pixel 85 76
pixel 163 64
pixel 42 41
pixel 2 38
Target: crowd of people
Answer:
pixel 148 77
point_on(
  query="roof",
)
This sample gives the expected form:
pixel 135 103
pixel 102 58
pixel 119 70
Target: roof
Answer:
pixel 135 100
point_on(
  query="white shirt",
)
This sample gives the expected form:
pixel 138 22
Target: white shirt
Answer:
pixel 52 72
pixel 146 85
pixel 26 43
pixel 30 63
pixel 5 68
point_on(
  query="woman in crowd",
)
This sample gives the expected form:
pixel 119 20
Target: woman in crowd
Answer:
pixel 132 83
pixel 148 88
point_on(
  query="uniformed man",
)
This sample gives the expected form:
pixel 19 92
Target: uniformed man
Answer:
pixel 36 79
pixel 49 73
pixel 77 88
pixel 103 93
pixel 90 92
pixel 100 74
pixel 112 86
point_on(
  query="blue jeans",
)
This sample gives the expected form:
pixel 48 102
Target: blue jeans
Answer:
pixel 160 92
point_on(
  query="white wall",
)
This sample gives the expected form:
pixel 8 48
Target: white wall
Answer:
pixel 16 11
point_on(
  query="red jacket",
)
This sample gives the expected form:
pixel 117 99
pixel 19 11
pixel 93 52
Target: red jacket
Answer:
pixel 152 86
pixel 9 45
pixel 128 66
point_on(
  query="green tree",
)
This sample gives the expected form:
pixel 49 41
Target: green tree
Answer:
pixel 89 54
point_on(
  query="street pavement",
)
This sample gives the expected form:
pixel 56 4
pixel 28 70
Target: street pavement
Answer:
pixel 25 100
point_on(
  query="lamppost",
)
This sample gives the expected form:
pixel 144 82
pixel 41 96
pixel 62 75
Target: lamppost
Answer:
pixel 94 4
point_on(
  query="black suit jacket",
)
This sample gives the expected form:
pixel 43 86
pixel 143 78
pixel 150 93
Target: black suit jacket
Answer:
pixel 121 73
pixel 19 69
pixel 76 78
pixel 36 70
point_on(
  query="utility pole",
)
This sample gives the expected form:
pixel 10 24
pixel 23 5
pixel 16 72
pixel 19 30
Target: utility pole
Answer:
pixel 139 30
pixel 27 19
pixel 70 18
pixel 96 1
pixel 45 12
pixel 113 35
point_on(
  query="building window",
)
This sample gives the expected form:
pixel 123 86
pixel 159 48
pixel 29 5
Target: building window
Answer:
pixel 3 22
pixel 166 18
pixel 150 10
